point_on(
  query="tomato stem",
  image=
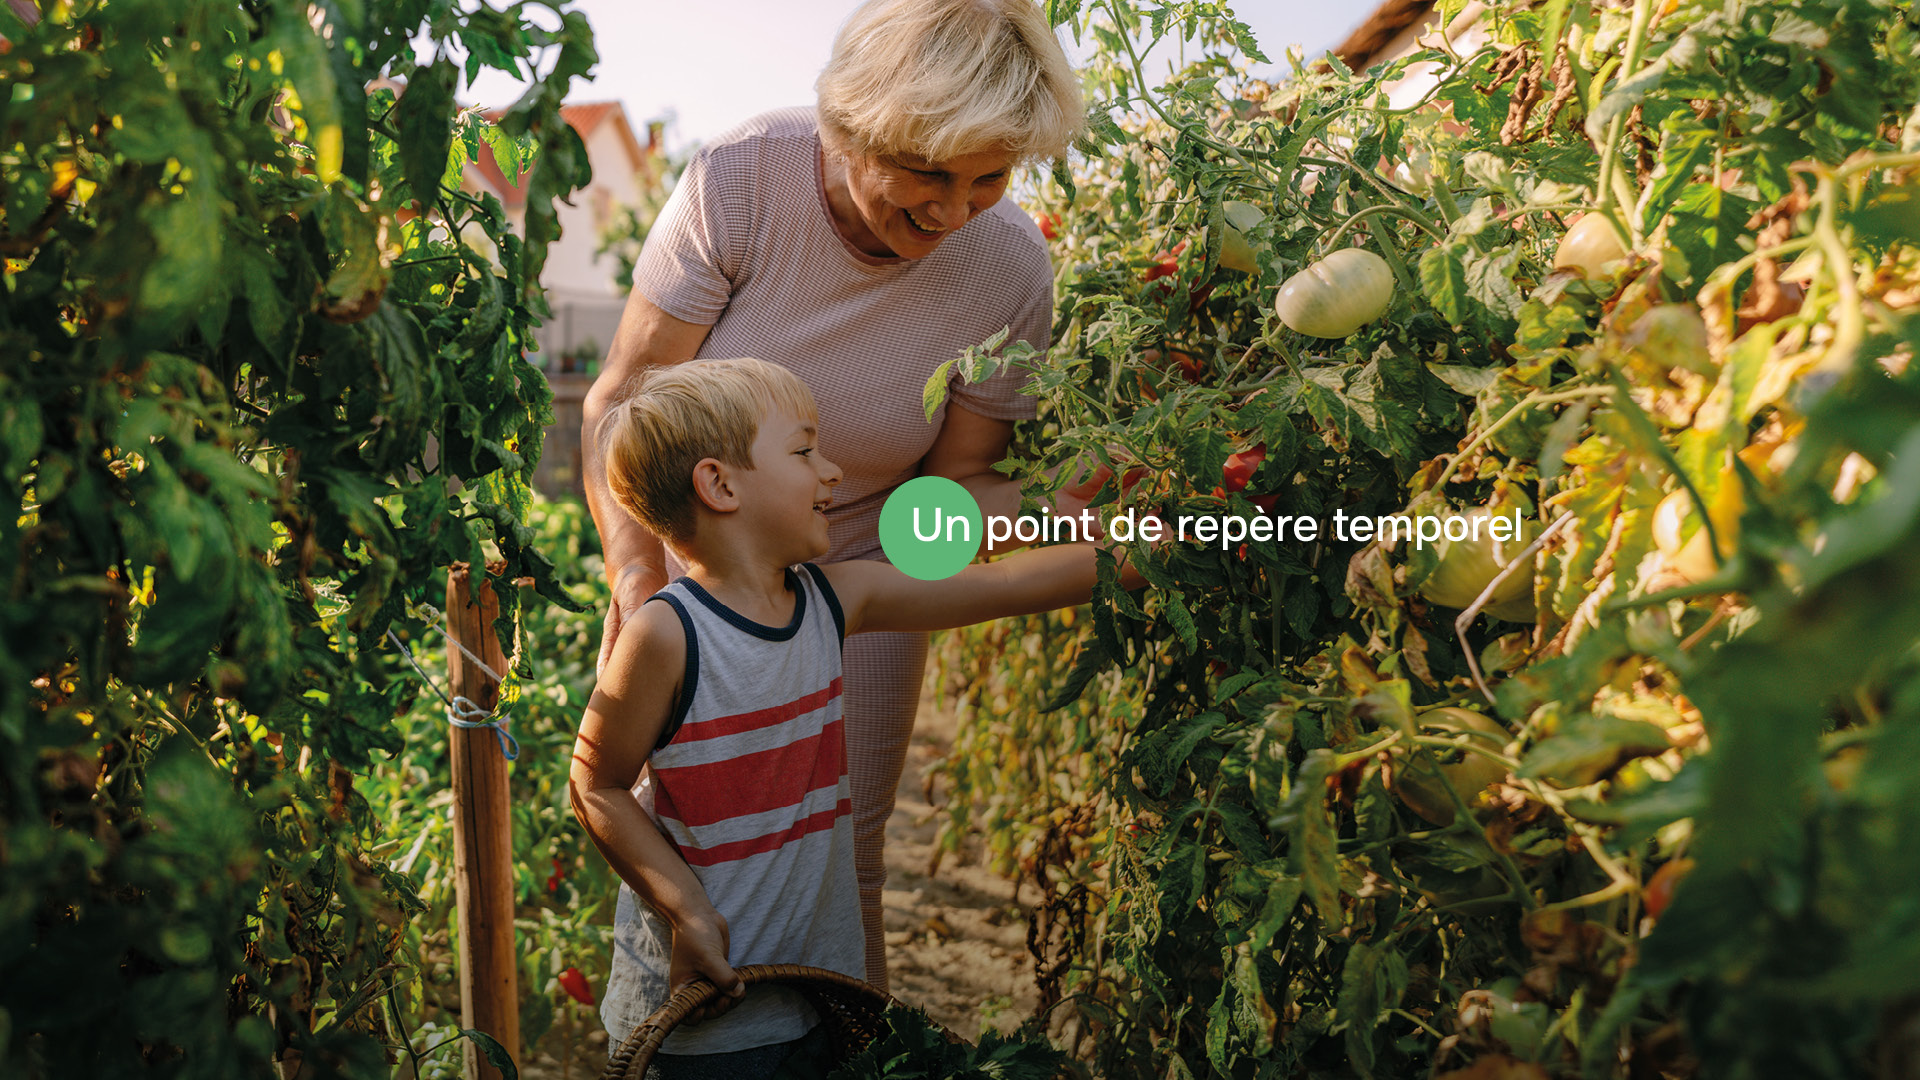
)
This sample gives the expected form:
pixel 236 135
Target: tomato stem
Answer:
pixel 1376 210
pixel 1392 194
pixel 1607 195
pixel 1538 397
pixel 1852 328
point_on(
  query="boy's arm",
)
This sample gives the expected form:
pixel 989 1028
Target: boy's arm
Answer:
pixel 630 706
pixel 875 596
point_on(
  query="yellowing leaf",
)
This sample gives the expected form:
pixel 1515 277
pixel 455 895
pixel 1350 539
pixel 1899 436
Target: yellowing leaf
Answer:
pixel 326 153
pixel 65 172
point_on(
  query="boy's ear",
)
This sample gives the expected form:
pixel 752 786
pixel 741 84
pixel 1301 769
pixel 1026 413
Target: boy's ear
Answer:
pixel 713 486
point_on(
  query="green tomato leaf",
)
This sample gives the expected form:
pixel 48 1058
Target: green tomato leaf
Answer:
pixel 1443 277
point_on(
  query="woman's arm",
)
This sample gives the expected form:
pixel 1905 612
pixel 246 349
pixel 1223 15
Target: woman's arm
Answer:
pixel 628 711
pixel 636 562
pixel 970 445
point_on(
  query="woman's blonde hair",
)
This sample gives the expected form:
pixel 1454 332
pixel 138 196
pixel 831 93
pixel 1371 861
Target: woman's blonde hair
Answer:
pixel 678 415
pixel 940 79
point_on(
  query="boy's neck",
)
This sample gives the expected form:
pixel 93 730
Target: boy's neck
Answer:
pixel 744 580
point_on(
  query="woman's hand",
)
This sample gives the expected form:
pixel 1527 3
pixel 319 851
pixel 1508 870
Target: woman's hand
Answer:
pixel 631 589
pixel 700 952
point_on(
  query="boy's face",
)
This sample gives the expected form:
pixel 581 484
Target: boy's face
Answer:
pixel 791 483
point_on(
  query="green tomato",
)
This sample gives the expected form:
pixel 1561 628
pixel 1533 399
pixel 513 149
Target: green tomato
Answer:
pixel 1671 336
pixel 1589 246
pixel 1683 542
pixel 1420 787
pixel 1337 295
pixel 1466 566
pixel 1236 253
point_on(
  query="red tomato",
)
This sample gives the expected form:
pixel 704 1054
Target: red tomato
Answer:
pixel 1191 368
pixel 1660 887
pixel 1200 296
pixel 1049 225
pixel 1165 263
pixel 554 879
pixel 1240 468
pixel 576 986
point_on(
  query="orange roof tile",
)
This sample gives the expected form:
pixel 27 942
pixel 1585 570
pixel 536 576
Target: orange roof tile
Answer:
pixel 1363 46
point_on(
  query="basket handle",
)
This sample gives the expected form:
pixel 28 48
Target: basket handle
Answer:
pixel 638 1050
pixel 640 1047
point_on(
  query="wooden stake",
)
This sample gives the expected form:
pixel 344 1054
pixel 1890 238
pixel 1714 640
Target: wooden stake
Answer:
pixel 482 832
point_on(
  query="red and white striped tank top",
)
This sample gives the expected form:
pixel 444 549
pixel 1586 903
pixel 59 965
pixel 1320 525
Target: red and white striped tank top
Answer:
pixel 751 787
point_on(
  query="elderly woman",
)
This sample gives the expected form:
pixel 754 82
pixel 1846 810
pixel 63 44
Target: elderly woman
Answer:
pixel 861 244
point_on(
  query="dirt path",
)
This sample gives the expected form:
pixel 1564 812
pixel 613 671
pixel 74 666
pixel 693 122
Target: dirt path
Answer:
pixel 956 941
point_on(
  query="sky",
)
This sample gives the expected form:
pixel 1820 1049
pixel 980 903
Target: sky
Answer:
pixel 708 64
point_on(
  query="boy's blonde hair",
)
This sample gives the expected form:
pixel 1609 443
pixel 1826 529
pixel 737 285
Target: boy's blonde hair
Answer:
pixel 678 415
pixel 940 79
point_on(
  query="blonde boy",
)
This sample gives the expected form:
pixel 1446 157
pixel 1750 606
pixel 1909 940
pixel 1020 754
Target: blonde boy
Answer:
pixel 737 847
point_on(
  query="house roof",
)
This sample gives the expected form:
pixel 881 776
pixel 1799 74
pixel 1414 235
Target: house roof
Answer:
pixel 1363 46
pixel 584 118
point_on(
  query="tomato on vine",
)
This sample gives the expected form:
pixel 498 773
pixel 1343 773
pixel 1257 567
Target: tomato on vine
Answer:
pixel 1165 263
pixel 1236 251
pixel 1659 888
pixel 1337 295
pixel 1468 566
pixel 1589 247
pixel 576 986
pixel 1190 367
pixel 1240 467
pixel 1049 224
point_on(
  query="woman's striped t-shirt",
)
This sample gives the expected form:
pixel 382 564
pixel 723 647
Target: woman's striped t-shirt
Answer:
pixel 750 786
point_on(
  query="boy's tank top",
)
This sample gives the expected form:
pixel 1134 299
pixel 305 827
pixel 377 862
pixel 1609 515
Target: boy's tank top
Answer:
pixel 750 785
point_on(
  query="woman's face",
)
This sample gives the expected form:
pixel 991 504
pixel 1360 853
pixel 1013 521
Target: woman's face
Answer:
pixel 899 204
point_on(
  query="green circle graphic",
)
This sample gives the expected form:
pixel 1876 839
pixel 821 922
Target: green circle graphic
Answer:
pixel 930 528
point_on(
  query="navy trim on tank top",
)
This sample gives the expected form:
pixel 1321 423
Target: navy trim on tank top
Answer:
pixel 689 681
pixel 833 600
pixel 741 622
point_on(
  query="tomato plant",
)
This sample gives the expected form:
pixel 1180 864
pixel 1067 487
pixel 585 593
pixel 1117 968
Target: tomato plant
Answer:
pixel 258 393
pixel 1246 887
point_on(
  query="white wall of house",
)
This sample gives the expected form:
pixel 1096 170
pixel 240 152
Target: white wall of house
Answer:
pixel 580 283
pixel 574 272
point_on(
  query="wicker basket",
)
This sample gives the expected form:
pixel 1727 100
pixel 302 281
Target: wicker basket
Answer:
pixel 849 1009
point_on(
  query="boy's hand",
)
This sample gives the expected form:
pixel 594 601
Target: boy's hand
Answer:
pixel 700 951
